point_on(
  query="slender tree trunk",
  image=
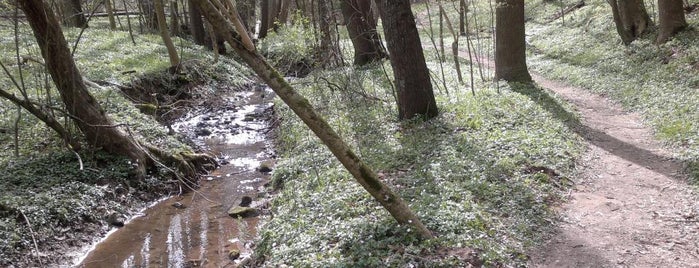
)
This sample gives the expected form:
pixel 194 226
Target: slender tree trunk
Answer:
pixel 174 19
pixel 110 14
pixel 412 78
pixel 148 11
pixel 631 19
pixel 162 25
pixel 247 14
pixel 364 175
pixel 510 46
pixel 92 121
pixel 671 17
pixel 73 15
pixel 196 24
pixel 367 43
pixel 462 17
pixel 284 11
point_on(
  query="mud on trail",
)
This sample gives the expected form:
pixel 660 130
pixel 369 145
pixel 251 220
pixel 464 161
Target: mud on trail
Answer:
pixel 194 229
pixel 632 206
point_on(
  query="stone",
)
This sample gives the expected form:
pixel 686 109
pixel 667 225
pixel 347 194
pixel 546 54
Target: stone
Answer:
pixel 243 212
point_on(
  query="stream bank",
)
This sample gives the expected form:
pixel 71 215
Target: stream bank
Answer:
pixel 194 229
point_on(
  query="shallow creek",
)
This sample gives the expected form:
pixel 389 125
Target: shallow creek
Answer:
pixel 194 229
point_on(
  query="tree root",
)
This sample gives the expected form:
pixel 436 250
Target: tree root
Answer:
pixel 189 165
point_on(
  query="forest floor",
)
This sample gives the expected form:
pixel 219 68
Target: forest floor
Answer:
pixel 631 206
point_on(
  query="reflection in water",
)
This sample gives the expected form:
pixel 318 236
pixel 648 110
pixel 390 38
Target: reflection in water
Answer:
pixel 194 230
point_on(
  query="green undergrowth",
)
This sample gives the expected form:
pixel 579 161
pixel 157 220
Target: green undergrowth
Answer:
pixel 659 82
pixel 46 197
pixel 483 175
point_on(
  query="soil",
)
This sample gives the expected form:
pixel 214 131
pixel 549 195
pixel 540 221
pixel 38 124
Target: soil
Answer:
pixel 631 206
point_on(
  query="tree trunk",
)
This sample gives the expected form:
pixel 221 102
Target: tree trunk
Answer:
pixel 162 25
pixel 73 15
pixel 110 14
pixel 196 24
pixel 174 19
pixel 92 121
pixel 264 19
pixel 367 43
pixel 366 177
pixel 148 13
pixel 671 17
pixel 631 19
pixel 284 11
pixel 412 78
pixel 510 46
pixel 328 50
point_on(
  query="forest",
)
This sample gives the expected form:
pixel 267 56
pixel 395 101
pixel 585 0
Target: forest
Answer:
pixel 349 133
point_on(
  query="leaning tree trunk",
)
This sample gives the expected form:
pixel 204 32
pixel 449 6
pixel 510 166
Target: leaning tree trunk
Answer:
pixel 367 43
pixel 73 15
pixel 365 176
pixel 510 45
pixel 92 121
pixel 162 25
pixel 671 15
pixel 631 19
pixel 412 78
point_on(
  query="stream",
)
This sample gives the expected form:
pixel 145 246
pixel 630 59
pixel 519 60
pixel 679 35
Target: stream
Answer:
pixel 194 229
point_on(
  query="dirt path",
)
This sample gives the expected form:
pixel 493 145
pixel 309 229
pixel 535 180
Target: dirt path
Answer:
pixel 631 207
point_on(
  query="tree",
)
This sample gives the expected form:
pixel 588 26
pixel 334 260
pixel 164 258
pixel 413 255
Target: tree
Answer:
pixel 80 104
pixel 364 175
pixel 246 10
pixel 361 27
pixel 148 12
pixel 510 46
pixel 196 24
pixel 631 19
pixel 329 50
pixel 162 25
pixel 73 15
pixel 412 78
pixel 671 19
pixel 99 130
pixel 110 14
pixel 264 18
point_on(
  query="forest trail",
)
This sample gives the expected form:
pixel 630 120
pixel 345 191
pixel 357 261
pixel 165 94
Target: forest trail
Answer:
pixel 631 206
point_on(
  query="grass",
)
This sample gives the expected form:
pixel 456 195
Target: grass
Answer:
pixel 467 174
pixel 658 82
pixel 65 206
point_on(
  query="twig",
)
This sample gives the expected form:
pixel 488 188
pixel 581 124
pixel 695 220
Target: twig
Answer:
pixel 31 232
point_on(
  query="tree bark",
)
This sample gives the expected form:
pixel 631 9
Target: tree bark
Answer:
pixel 412 78
pixel 174 19
pixel 196 24
pixel 328 50
pixel 73 15
pixel 631 19
pixel 98 128
pixel 110 14
pixel 264 19
pixel 510 46
pixel 162 25
pixel 366 177
pixel 367 43
pixel 247 14
pixel 671 19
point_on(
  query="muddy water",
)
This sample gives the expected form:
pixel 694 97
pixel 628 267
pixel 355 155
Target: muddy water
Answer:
pixel 194 230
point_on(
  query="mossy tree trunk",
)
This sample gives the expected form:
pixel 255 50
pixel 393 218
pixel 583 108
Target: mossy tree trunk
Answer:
pixel 412 78
pixel 631 19
pixel 671 19
pixel 362 31
pixel 510 46
pixel 364 175
pixel 162 26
